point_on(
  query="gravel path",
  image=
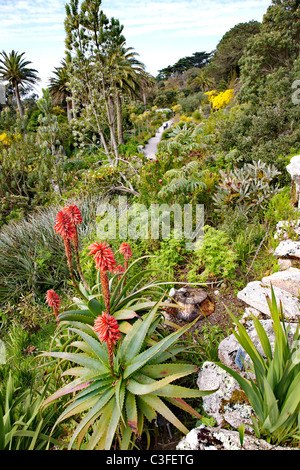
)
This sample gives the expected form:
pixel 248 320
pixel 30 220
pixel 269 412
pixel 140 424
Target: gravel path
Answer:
pixel 150 149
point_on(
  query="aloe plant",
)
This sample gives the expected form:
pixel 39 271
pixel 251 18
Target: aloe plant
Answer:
pixel 275 392
pixel 115 399
pixel 129 298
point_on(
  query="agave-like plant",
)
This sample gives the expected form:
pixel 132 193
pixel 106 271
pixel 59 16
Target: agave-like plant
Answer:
pixel 114 391
pixel 274 392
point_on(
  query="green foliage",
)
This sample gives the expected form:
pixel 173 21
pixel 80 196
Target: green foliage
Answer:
pixel 22 426
pixel 186 181
pixel 213 257
pixel 280 208
pixel 169 257
pixel 274 393
pixel 32 254
pixel 115 403
pixel 198 59
pixel 224 65
pixel 249 187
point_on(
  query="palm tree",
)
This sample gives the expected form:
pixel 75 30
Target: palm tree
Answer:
pixel 202 81
pixel 59 89
pixel 13 69
pixel 129 79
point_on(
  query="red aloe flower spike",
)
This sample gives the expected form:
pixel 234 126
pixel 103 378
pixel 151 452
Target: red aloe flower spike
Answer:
pixel 65 228
pixel 104 257
pixel 119 270
pixel 126 251
pixel 53 301
pixel 105 261
pixel 74 214
pixel 76 219
pixel 108 332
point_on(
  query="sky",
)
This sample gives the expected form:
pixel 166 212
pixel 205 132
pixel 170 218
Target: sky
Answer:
pixel 161 32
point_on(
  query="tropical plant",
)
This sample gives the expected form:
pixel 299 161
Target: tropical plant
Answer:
pixel 59 89
pixel 119 386
pixel 250 187
pixel 188 180
pixel 13 68
pixel 274 389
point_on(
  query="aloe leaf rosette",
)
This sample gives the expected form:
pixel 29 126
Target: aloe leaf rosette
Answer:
pixel 114 395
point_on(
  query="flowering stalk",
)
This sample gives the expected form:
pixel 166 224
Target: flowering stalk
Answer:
pixel 119 270
pixel 126 251
pixel 76 219
pixel 105 261
pixel 108 332
pixel 53 301
pixel 65 228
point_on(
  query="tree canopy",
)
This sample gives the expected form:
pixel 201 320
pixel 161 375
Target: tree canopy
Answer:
pixel 198 59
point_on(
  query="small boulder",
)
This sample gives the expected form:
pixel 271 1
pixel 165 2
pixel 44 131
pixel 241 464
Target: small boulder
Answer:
pixel 192 303
pixel 288 280
pixel 288 249
pixel 255 294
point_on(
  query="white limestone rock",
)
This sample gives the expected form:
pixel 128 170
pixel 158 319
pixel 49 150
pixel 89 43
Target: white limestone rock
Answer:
pixel 255 294
pixel 286 229
pixel 218 405
pixel 294 170
pixel 288 280
pixel 209 438
pixel 284 264
pixel 288 249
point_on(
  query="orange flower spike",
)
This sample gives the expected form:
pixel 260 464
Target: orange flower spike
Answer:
pixel 53 301
pixel 104 257
pixel 65 228
pixel 108 332
pixel 75 216
pixel 105 261
pixel 126 251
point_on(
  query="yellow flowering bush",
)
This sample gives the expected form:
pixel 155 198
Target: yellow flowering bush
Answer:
pixel 4 139
pixel 220 100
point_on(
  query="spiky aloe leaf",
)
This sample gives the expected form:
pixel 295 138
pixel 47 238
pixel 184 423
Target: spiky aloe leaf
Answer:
pixel 134 339
pixel 100 427
pixel 112 426
pixel 95 307
pixel 131 412
pixel 83 316
pixel 93 414
pixel 98 348
pixel 120 396
pixel 156 371
pixel 159 406
pixel 150 354
pixel 81 359
pixel 180 403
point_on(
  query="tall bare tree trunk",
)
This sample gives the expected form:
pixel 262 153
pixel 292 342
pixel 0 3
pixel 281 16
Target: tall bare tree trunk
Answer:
pixel 119 120
pixel 19 102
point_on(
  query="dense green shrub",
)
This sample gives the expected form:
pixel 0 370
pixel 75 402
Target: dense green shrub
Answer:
pixel 214 259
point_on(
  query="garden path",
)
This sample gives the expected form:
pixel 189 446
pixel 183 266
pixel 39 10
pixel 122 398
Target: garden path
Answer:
pixel 150 148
